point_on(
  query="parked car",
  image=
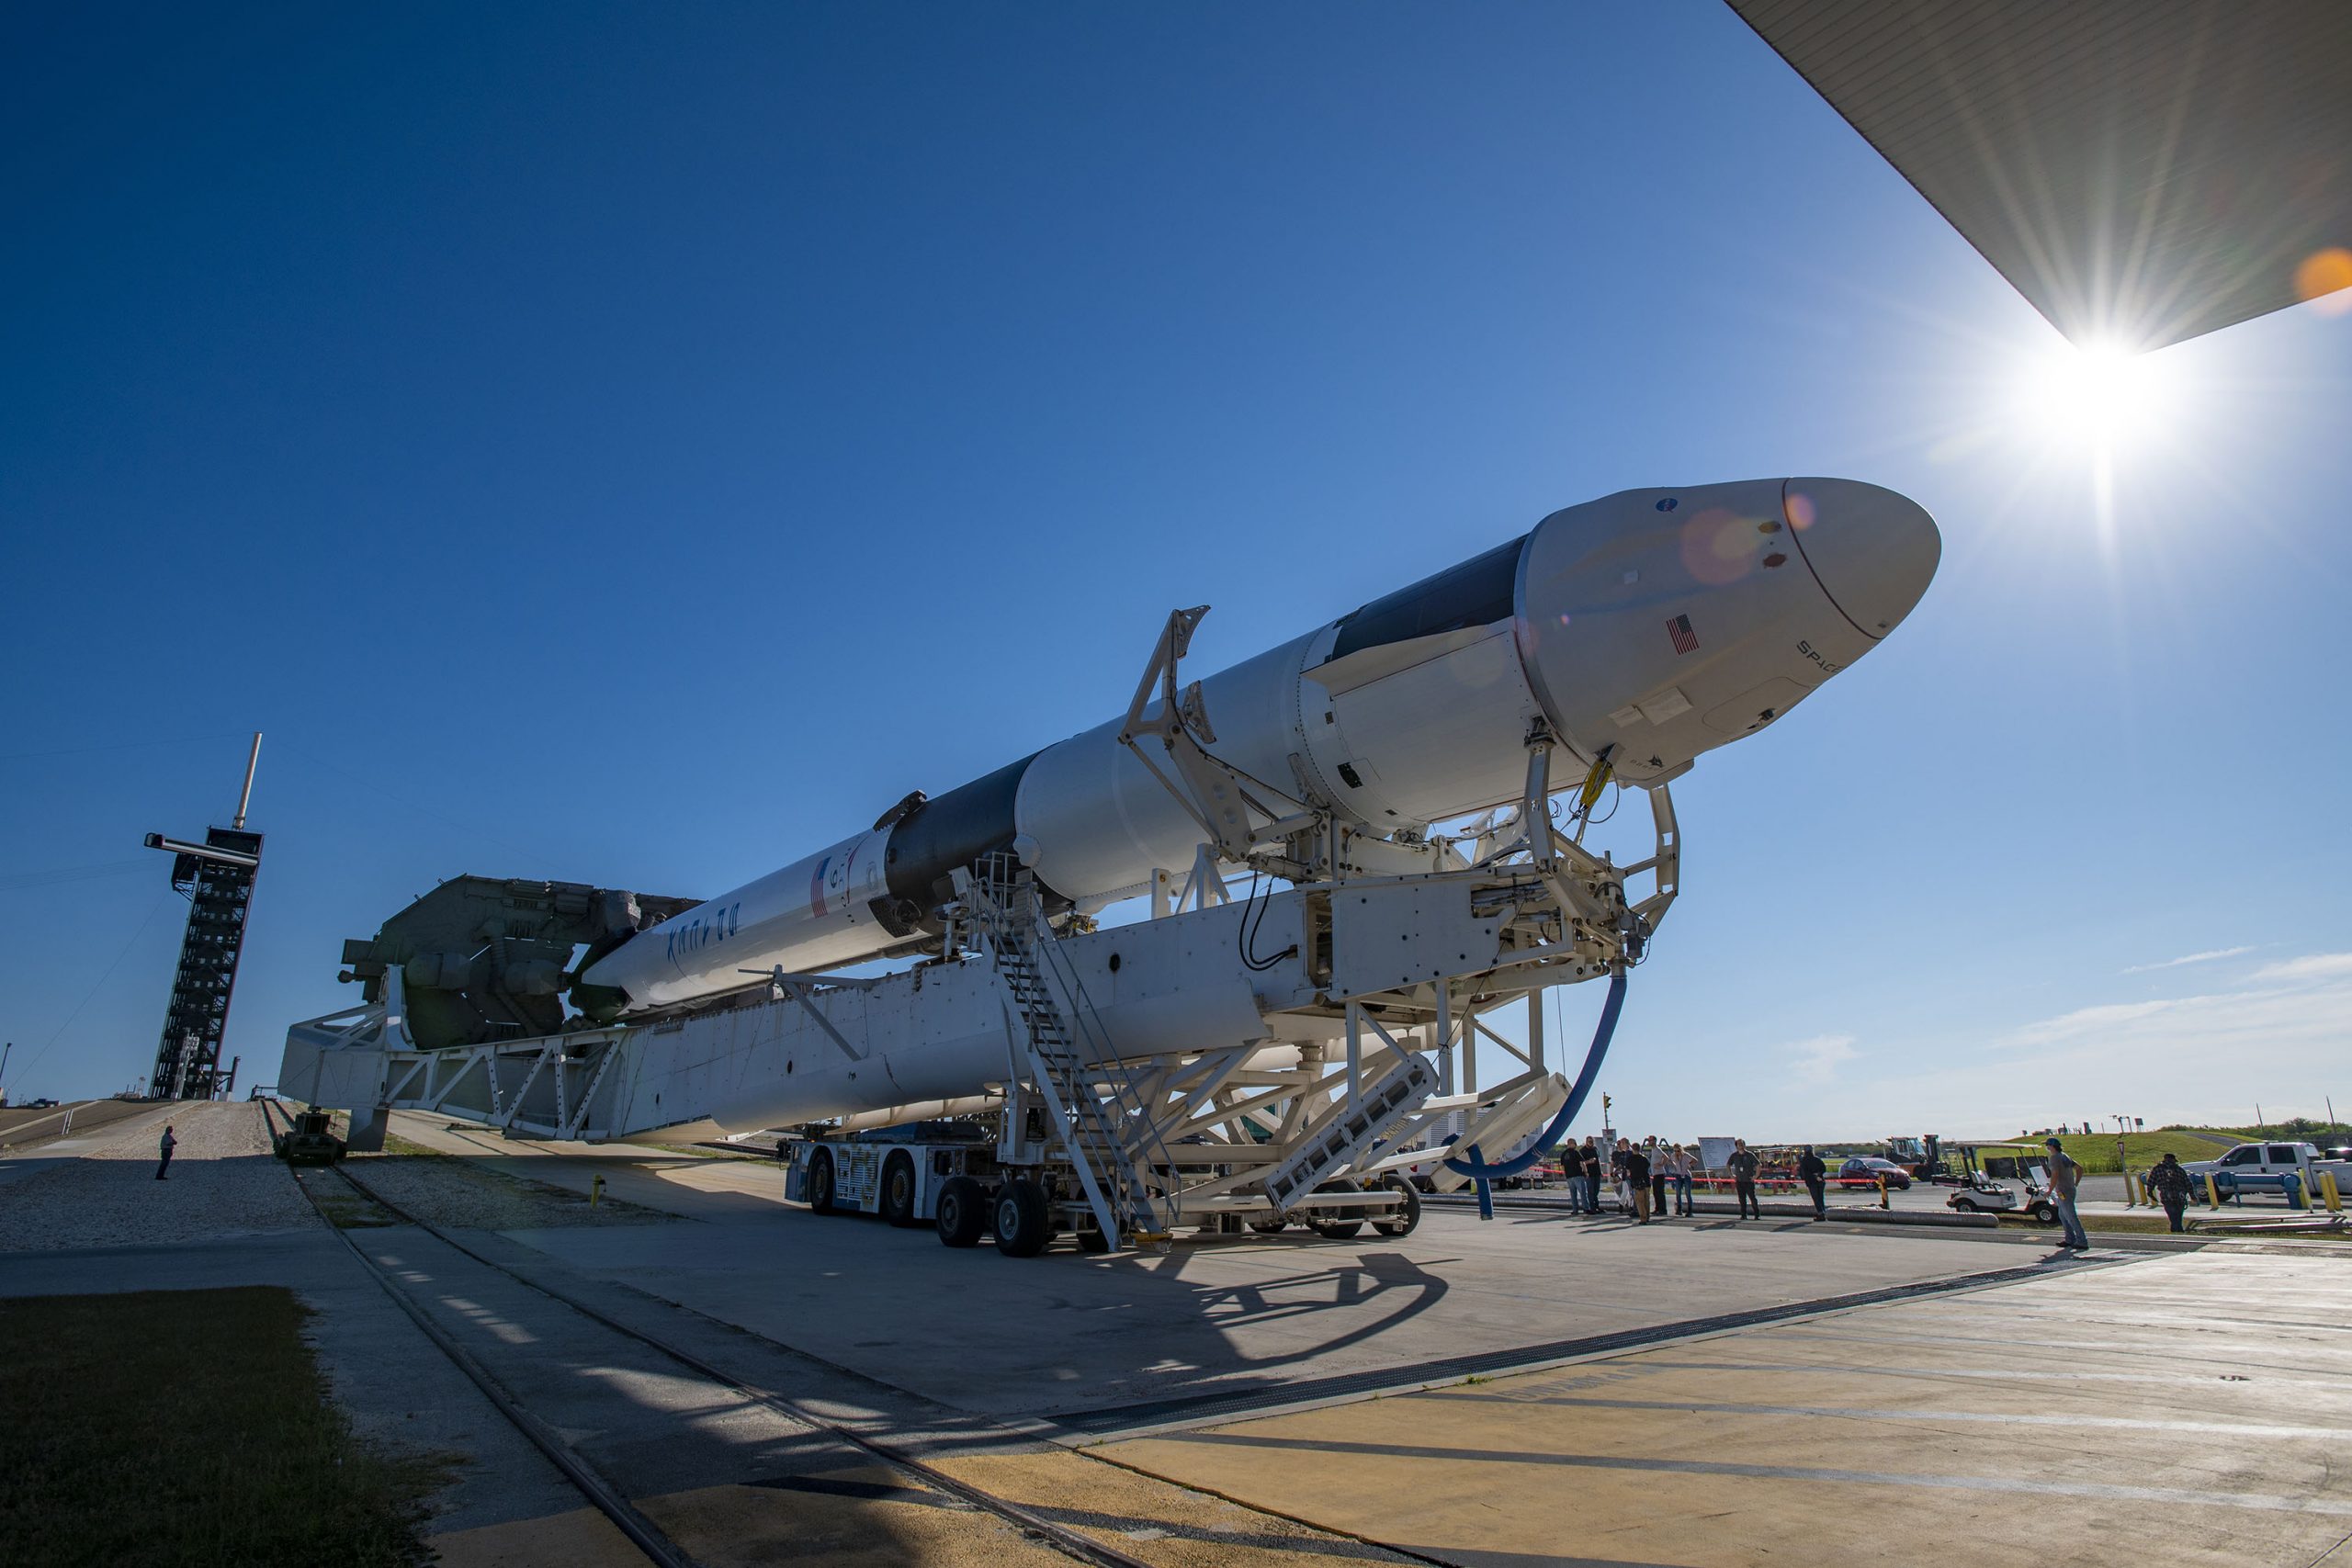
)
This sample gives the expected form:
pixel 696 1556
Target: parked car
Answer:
pixel 2263 1167
pixel 1866 1172
pixel 42 1104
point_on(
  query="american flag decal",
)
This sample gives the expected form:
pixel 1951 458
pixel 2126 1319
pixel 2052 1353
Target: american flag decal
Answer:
pixel 1685 639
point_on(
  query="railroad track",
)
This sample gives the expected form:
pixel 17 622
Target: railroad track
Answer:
pixel 604 1494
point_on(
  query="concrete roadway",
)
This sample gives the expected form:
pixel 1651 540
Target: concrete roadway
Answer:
pixel 35 1140
pixel 2180 1408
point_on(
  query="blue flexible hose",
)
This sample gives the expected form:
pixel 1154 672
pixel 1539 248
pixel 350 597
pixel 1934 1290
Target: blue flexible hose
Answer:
pixel 1477 1167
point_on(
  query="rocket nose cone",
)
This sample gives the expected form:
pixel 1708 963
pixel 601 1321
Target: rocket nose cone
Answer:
pixel 1872 551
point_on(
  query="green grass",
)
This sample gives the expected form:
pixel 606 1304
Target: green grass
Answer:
pixel 344 1207
pixel 2096 1153
pixel 396 1144
pixel 170 1427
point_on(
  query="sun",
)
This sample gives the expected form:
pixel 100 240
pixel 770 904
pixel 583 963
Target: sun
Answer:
pixel 2100 395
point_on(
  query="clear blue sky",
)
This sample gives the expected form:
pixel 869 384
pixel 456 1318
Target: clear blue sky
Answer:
pixel 635 445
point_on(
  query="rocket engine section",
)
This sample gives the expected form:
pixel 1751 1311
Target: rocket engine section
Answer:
pixel 483 958
pixel 1641 630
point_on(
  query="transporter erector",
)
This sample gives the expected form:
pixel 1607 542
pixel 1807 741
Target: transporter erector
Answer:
pixel 1396 767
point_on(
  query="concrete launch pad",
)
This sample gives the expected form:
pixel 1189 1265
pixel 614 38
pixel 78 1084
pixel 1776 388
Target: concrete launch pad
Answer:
pixel 1539 1389
pixel 1096 1345
pixel 1706 1397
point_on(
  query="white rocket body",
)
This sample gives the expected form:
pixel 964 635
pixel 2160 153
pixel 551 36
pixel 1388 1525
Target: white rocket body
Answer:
pixel 1650 624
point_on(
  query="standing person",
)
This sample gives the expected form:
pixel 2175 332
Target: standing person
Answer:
pixel 168 1144
pixel 2169 1182
pixel 1619 1176
pixel 1816 1177
pixel 1654 1151
pixel 2066 1180
pixel 1743 1162
pixel 1683 1207
pixel 1637 1177
pixel 1589 1176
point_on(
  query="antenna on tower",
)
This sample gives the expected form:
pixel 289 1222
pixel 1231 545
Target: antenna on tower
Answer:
pixel 252 761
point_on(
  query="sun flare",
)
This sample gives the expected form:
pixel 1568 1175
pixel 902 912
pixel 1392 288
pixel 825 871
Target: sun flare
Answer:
pixel 2099 394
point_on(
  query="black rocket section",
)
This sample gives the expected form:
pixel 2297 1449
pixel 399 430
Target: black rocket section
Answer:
pixel 934 838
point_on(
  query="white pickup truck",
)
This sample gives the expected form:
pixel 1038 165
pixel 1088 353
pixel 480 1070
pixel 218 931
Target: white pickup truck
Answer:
pixel 2263 1167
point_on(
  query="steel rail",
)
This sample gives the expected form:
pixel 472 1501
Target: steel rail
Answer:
pixel 642 1533
pixel 1061 1536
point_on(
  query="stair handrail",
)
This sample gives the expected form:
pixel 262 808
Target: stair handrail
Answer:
pixel 1148 1149
pixel 1011 916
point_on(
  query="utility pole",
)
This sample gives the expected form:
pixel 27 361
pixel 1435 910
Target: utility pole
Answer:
pixel 11 1045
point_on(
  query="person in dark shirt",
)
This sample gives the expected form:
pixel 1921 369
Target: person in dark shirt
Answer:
pixel 2169 1182
pixel 1588 1174
pixel 165 1148
pixel 1743 1162
pixel 2066 1185
pixel 1816 1177
pixel 1637 1177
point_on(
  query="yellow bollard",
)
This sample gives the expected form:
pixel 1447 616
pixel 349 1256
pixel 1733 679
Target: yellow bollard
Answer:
pixel 1881 1190
pixel 2212 1193
pixel 595 1188
pixel 2327 1186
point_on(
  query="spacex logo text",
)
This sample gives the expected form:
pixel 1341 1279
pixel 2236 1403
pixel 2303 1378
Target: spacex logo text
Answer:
pixel 1828 668
pixel 701 931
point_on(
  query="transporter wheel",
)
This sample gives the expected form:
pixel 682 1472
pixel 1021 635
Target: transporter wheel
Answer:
pixel 898 1190
pixel 1019 1218
pixel 1407 1212
pixel 820 1182
pixel 962 1212
pixel 1274 1225
pixel 1341 1224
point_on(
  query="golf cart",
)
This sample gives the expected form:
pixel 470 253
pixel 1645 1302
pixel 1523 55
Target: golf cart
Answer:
pixel 1982 1167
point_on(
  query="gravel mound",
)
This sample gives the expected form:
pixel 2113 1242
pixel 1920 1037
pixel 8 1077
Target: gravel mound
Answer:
pixel 224 1182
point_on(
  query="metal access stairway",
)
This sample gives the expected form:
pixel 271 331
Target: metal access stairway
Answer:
pixel 1343 1134
pixel 1099 1111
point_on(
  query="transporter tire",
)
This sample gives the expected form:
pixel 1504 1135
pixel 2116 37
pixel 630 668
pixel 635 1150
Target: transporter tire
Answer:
pixel 1344 1225
pixel 1021 1218
pixel 1274 1225
pixel 820 1182
pixel 1408 1213
pixel 896 1199
pixel 962 1212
